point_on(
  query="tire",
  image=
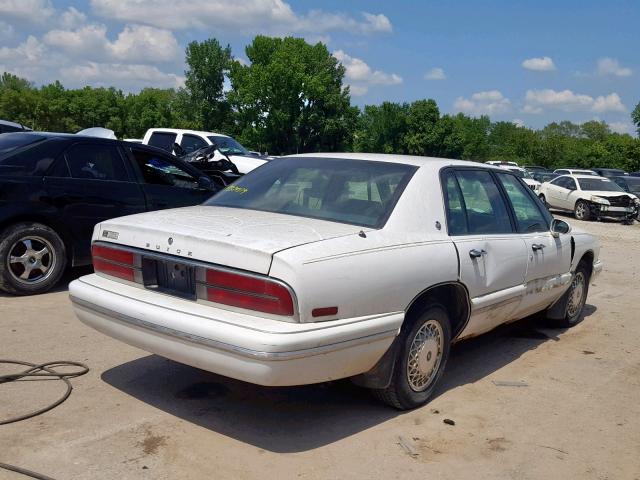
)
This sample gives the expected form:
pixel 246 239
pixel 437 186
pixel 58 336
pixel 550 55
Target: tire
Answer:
pixel 576 300
pixel 582 211
pixel 409 388
pixel 39 258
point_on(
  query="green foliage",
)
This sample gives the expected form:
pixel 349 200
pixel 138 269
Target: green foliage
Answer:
pixel 208 64
pixel 291 98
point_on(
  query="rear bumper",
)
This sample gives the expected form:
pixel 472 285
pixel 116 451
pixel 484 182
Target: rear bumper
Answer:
pixel 252 349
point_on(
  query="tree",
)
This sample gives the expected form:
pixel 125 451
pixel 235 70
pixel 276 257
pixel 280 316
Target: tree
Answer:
pixel 382 129
pixel 290 98
pixel 208 62
pixel 635 116
pixel 423 136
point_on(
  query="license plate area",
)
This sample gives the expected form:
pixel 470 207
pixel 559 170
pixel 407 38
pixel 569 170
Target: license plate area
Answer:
pixel 167 276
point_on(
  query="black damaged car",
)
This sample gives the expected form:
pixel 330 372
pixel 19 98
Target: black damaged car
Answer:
pixel 54 188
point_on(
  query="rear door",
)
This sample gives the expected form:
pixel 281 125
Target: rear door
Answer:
pixel 165 182
pixel 493 257
pixel 89 183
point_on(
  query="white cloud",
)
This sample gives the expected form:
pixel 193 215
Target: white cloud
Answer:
pixel 245 16
pixel 518 122
pixel 32 11
pixel 130 77
pixel 568 101
pixel 134 44
pixel 610 66
pixel 622 127
pixel 435 73
pixel 360 76
pixel 31 50
pixel 72 18
pixel 6 30
pixel 490 102
pixel 539 64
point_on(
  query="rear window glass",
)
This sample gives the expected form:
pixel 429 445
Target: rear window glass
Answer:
pixel 163 140
pixel 12 141
pixel 347 191
pixel 30 158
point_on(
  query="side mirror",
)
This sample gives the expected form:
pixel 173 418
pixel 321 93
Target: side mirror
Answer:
pixel 559 227
pixel 205 183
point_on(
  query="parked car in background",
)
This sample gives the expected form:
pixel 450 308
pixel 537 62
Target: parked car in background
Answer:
pixel 191 140
pixel 501 162
pixel 609 172
pixel 589 197
pixel 574 171
pixel 54 188
pixel 629 184
pixel 525 176
pixel 535 168
pixel 544 176
pixel 6 127
pixel 327 266
pixel 635 174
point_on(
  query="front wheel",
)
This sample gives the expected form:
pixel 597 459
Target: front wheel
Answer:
pixel 421 360
pixel 582 210
pixel 32 258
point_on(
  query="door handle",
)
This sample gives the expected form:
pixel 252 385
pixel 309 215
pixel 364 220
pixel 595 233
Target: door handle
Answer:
pixel 477 253
pixel 537 246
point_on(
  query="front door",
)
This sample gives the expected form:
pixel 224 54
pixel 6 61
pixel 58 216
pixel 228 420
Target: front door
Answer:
pixel 548 257
pixel 165 183
pixel 492 255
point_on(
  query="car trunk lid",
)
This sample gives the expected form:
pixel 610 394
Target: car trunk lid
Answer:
pixel 238 238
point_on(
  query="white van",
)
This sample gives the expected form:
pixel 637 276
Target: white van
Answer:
pixel 192 140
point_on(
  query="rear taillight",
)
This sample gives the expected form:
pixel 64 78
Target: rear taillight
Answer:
pixel 249 292
pixel 116 263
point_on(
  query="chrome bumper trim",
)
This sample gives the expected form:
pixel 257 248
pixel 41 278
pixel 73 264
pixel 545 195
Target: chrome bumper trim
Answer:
pixel 218 345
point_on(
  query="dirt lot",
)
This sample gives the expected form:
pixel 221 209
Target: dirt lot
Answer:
pixel 139 416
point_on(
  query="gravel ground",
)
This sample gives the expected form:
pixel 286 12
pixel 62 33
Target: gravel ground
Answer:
pixel 139 416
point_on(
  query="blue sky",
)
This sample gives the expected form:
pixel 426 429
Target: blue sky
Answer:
pixel 522 61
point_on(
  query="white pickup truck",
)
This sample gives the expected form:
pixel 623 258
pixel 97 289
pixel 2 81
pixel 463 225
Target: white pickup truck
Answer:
pixel 327 266
pixel 192 140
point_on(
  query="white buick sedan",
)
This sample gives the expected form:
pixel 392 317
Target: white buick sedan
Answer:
pixel 319 267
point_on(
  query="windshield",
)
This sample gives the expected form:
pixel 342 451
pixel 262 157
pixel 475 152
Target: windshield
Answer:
pixel 12 141
pixel 599 184
pixel 228 145
pixel 346 191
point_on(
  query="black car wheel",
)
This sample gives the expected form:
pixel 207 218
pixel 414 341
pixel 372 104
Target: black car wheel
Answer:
pixel 575 298
pixel 33 259
pixel 422 357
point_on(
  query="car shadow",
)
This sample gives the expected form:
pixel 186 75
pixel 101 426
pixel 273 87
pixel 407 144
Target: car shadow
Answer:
pixel 302 418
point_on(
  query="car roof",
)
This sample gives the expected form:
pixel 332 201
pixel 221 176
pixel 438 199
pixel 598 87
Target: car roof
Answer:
pixel 424 162
pixel 590 177
pixel 183 131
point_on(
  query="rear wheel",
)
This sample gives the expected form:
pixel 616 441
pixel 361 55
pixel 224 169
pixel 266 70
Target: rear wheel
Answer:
pixel 421 360
pixel 32 258
pixel 582 210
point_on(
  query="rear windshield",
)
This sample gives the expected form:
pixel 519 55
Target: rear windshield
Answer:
pixel 346 191
pixel 599 184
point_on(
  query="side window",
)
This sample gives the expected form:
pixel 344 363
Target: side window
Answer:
pixel 157 170
pixel 96 162
pixel 528 216
pixel 163 140
pixel 560 182
pixel 485 207
pixel 571 183
pixel 456 216
pixel 59 168
pixel 191 143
